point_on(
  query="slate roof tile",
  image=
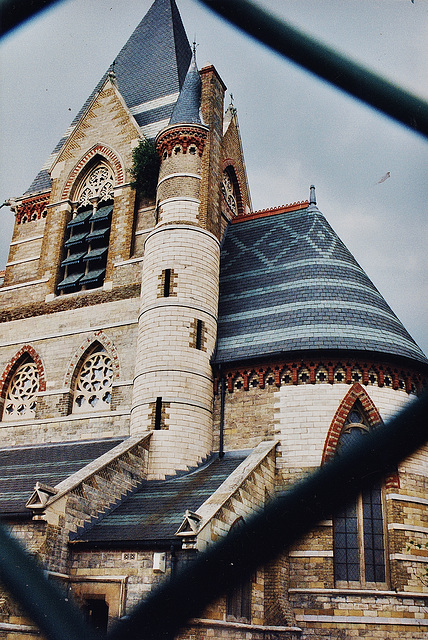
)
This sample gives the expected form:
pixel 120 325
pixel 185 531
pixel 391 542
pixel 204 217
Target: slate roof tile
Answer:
pixel 151 65
pixel 156 510
pixel 288 283
pixel 22 467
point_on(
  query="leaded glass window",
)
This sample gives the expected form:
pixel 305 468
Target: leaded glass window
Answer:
pixel 94 383
pixel 88 233
pixel 20 403
pixel 359 545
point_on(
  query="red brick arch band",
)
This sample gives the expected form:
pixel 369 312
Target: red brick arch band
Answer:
pixel 13 364
pixel 356 392
pixel 100 150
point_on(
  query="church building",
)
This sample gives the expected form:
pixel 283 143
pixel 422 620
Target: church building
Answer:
pixel 170 359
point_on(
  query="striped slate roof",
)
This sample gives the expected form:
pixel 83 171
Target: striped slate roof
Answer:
pixel 289 284
pixel 22 467
pixel 150 71
pixel 156 510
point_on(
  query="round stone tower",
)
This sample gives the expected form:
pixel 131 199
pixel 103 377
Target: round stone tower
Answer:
pixel 173 386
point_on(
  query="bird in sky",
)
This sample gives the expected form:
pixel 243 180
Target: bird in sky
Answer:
pixel 385 177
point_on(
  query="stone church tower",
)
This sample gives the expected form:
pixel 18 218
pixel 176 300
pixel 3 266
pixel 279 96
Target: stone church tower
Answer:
pixel 169 360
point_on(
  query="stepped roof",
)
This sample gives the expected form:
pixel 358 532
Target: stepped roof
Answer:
pixel 150 71
pixel 156 510
pixel 49 464
pixel 288 284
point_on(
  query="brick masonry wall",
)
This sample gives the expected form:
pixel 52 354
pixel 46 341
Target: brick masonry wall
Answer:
pixel 212 98
pixel 232 156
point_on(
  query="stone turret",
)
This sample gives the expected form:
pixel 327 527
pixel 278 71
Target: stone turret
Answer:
pixel 173 387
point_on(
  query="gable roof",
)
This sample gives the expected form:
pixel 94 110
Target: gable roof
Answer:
pixel 150 71
pixel 288 284
pixel 22 467
pixel 156 510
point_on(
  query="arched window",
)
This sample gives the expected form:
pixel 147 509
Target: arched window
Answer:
pixel 93 385
pixel 20 401
pixel 238 601
pixel 88 232
pixel 358 531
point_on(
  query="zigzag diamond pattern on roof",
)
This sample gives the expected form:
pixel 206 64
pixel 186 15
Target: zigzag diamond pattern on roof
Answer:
pixel 289 284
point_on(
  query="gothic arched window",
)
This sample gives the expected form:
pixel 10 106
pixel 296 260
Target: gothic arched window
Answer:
pixel 238 601
pixel 20 402
pixel 88 232
pixel 92 391
pixel 358 530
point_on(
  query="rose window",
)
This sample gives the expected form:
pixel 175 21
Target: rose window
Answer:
pixel 20 401
pixel 94 384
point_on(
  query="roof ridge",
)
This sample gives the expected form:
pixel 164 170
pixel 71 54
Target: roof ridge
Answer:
pixel 263 213
pixel 149 70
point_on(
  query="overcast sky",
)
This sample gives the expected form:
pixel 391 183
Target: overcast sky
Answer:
pixel 296 130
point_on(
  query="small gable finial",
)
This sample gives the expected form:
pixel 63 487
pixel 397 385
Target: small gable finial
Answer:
pixel 112 73
pixel 312 198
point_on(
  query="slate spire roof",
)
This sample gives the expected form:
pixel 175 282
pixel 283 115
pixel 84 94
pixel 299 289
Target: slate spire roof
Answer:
pixel 150 71
pixel 187 107
pixel 288 284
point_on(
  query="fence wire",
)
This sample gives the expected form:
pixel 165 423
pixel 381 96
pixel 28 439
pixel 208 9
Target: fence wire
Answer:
pixel 169 607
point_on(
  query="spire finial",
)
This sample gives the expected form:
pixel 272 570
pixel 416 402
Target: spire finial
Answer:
pixel 194 45
pixel 312 198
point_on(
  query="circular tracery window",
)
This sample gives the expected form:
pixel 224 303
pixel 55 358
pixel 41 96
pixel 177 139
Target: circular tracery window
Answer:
pixel 20 401
pixel 94 384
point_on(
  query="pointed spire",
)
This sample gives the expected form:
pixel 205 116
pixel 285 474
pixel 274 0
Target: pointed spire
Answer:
pixel 149 72
pixel 186 110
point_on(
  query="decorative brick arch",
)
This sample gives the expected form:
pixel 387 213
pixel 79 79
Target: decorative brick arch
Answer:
pixel 229 166
pixel 26 350
pixel 98 150
pixel 356 392
pixel 98 337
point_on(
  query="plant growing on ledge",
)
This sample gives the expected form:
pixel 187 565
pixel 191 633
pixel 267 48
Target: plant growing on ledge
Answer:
pixel 145 168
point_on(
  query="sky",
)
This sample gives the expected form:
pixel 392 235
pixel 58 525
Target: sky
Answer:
pixel 296 130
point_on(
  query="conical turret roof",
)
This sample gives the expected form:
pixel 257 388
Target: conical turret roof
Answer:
pixel 187 107
pixel 288 284
pixel 149 70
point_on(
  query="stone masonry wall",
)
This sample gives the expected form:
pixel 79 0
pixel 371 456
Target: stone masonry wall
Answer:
pixel 60 340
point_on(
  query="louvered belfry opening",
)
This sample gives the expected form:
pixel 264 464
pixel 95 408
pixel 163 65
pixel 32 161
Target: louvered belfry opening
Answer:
pixel 88 233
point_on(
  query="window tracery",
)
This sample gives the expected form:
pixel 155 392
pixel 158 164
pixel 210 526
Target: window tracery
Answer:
pixel 94 383
pixel 358 531
pixel 88 232
pixel 20 402
pixel 229 194
pixel 98 184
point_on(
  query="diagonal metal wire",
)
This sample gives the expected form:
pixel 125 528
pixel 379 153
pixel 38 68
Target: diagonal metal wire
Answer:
pixel 233 559
pixel 285 520
pixel 325 62
pixel 15 12
pixel 46 605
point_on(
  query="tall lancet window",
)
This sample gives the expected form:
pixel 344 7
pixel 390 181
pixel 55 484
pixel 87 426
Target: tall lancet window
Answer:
pixel 88 232
pixel 20 402
pixel 359 540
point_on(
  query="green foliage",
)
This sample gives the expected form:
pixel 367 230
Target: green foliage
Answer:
pixel 145 168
